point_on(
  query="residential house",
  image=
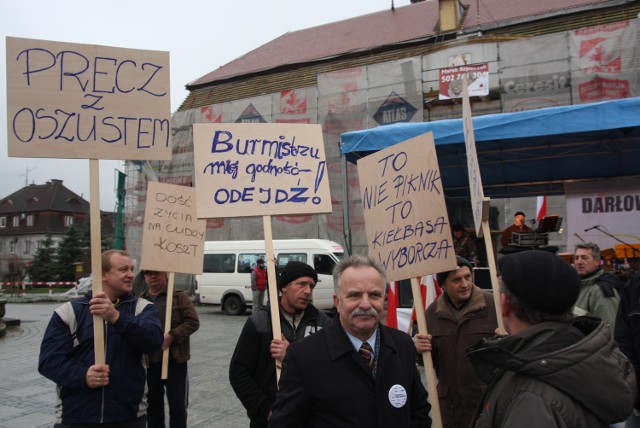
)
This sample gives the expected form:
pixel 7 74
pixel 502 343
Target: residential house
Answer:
pixel 28 215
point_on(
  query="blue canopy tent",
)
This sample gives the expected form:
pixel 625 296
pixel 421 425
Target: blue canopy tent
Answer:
pixel 527 153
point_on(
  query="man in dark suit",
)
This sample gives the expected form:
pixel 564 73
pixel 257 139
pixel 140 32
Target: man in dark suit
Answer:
pixel 355 372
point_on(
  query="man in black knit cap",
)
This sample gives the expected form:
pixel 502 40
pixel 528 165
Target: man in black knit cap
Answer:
pixel 252 370
pixel 551 370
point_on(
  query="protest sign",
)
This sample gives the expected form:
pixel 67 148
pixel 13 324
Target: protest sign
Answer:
pixel 475 180
pixel 259 169
pixel 173 237
pixel 67 100
pixel 479 203
pixel 404 209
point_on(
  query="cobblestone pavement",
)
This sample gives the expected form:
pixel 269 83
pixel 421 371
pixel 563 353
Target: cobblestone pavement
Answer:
pixel 27 399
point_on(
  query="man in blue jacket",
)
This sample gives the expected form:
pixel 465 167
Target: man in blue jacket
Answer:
pixel 113 394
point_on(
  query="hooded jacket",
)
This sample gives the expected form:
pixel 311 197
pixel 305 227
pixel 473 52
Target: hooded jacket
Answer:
pixel 554 375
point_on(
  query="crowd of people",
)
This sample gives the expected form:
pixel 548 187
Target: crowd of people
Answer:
pixel 568 356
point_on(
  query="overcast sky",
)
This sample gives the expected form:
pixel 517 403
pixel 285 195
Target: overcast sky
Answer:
pixel 200 35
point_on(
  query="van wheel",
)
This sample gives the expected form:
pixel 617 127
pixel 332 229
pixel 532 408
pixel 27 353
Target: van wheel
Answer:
pixel 233 306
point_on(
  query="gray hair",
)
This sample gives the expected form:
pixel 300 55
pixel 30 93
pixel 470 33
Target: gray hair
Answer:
pixel 355 260
pixel 595 250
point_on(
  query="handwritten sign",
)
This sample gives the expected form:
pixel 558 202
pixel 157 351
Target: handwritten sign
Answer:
pixel 173 238
pixel 259 169
pixel 475 180
pixel 404 209
pixel 85 101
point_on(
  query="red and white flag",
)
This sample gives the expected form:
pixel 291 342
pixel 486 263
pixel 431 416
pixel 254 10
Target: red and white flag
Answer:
pixel 541 208
pixel 402 318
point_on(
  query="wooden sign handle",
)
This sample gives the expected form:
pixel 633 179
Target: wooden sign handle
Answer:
pixel 96 255
pixel 273 285
pixel 430 373
pixel 493 271
pixel 167 325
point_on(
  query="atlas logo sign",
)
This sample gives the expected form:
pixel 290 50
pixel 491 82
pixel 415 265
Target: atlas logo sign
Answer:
pixel 395 109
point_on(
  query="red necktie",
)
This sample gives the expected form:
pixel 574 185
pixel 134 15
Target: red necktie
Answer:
pixel 367 353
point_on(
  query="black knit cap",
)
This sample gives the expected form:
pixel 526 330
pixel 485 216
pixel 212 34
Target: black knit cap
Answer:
pixel 540 280
pixel 441 277
pixel 294 270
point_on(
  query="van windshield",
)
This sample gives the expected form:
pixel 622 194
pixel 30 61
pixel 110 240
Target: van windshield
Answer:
pixel 339 256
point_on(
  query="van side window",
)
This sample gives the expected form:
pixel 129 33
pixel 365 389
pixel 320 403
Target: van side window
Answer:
pixel 284 258
pixel 248 261
pixel 219 263
pixel 323 264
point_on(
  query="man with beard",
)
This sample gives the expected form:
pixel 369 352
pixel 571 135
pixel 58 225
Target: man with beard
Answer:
pixel 356 372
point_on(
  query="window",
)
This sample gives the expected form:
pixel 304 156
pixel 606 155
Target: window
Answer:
pixel 68 221
pixel 40 244
pixel 12 246
pixel 30 220
pixel 284 258
pixel 323 264
pixel 27 247
pixel 3 222
pixel 248 261
pixel 219 263
pixel 16 221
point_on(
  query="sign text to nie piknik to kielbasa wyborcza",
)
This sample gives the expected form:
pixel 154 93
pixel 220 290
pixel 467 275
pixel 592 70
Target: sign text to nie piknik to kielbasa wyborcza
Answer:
pixel 68 100
pixel 405 214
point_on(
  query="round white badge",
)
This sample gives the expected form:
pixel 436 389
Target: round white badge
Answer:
pixel 397 396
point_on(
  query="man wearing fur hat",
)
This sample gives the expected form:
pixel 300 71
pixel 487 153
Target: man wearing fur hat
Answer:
pixel 551 370
pixel 252 370
pixel 463 315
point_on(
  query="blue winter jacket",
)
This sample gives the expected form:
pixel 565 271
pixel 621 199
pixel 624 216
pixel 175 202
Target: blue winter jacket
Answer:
pixel 67 351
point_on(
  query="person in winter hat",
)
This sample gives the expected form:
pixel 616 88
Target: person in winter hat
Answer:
pixel 551 370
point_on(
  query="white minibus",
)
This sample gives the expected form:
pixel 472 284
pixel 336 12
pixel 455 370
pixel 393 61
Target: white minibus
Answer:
pixel 226 278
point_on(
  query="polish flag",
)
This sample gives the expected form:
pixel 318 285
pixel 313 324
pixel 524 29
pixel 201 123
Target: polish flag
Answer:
pixel 541 208
pixel 402 318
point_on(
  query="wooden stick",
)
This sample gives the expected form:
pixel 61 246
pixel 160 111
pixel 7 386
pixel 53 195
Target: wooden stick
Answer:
pixel 167 325
pixel 429 372
pixel 273 285
pixel 493 271
pixel 96 255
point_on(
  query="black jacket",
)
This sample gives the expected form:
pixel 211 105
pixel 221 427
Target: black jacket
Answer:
pixel 326 383
pixel 627 332
pixel 252 371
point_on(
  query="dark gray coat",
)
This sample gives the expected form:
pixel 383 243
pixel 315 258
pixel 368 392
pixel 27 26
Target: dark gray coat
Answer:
pixel 554 375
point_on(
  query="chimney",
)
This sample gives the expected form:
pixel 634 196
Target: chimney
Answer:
pixel 449 14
